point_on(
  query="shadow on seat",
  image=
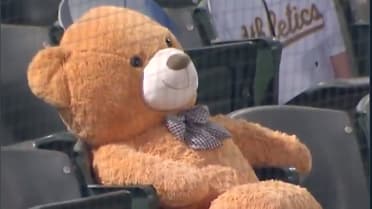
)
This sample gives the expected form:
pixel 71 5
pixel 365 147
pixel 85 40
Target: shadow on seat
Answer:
pixel 337 179
pixel 23 115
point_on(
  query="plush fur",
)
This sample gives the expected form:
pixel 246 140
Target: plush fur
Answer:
pixel 90 80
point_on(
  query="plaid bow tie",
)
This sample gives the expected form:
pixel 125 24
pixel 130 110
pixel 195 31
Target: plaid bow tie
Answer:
pixel 194 128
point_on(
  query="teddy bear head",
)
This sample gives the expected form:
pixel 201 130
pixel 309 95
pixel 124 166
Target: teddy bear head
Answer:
pixel 115 74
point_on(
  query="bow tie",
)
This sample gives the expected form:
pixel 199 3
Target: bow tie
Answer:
pixel 194 128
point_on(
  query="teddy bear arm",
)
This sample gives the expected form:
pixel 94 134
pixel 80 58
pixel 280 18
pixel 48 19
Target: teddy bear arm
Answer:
pixel 265 147
pixel 177 184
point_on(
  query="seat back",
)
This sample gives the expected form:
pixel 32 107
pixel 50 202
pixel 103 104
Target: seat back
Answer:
pixel 234 75
pixel 23 115
pixel 32 177
pixel 337 179
pixel 337 94
pixel 189 26
pixel 29 12
pixel 79 153
pixel 5 136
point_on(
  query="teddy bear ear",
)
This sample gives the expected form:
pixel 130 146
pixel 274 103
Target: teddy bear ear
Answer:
pixel 46 77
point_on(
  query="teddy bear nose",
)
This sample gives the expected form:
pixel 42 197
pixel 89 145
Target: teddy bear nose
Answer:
pixel 178 61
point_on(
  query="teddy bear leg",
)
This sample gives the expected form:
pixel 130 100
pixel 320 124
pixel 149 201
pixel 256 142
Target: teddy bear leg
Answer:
pixel 221 179
pixel 266 195
pixel 262 146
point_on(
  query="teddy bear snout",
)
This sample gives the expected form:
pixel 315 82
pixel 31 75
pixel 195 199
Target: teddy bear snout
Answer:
pixel 178 61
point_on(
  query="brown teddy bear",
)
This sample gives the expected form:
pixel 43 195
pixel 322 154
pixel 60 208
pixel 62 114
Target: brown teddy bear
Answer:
pixel 122 83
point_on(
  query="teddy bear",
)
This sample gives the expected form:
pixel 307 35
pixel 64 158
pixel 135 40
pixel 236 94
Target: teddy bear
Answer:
pixel 122 83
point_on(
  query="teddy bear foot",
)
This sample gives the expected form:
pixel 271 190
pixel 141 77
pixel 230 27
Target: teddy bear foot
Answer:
pixel 266 195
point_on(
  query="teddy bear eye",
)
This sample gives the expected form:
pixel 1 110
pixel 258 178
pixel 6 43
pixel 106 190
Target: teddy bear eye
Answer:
pixel 168 41
pixel 136 61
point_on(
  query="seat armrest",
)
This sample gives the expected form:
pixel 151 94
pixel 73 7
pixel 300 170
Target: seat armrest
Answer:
pixel 112 200
pixel 289 175
pixel 177 4
pixel 143 196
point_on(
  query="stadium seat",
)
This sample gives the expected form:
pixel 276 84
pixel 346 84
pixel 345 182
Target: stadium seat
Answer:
pixel 29 12
pixel 35 177
pixel 343 94
pixel 61 149
pixel 189 26
pixel 56 166
pixel 363 109
pixel 5 135
pixel 363 117
pixel 113 200
pixel 362 121
pixel 23 115
pixel 235 75
pixel 337 179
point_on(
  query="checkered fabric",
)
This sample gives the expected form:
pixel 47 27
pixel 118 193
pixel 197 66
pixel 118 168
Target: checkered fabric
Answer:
pixel 194 128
